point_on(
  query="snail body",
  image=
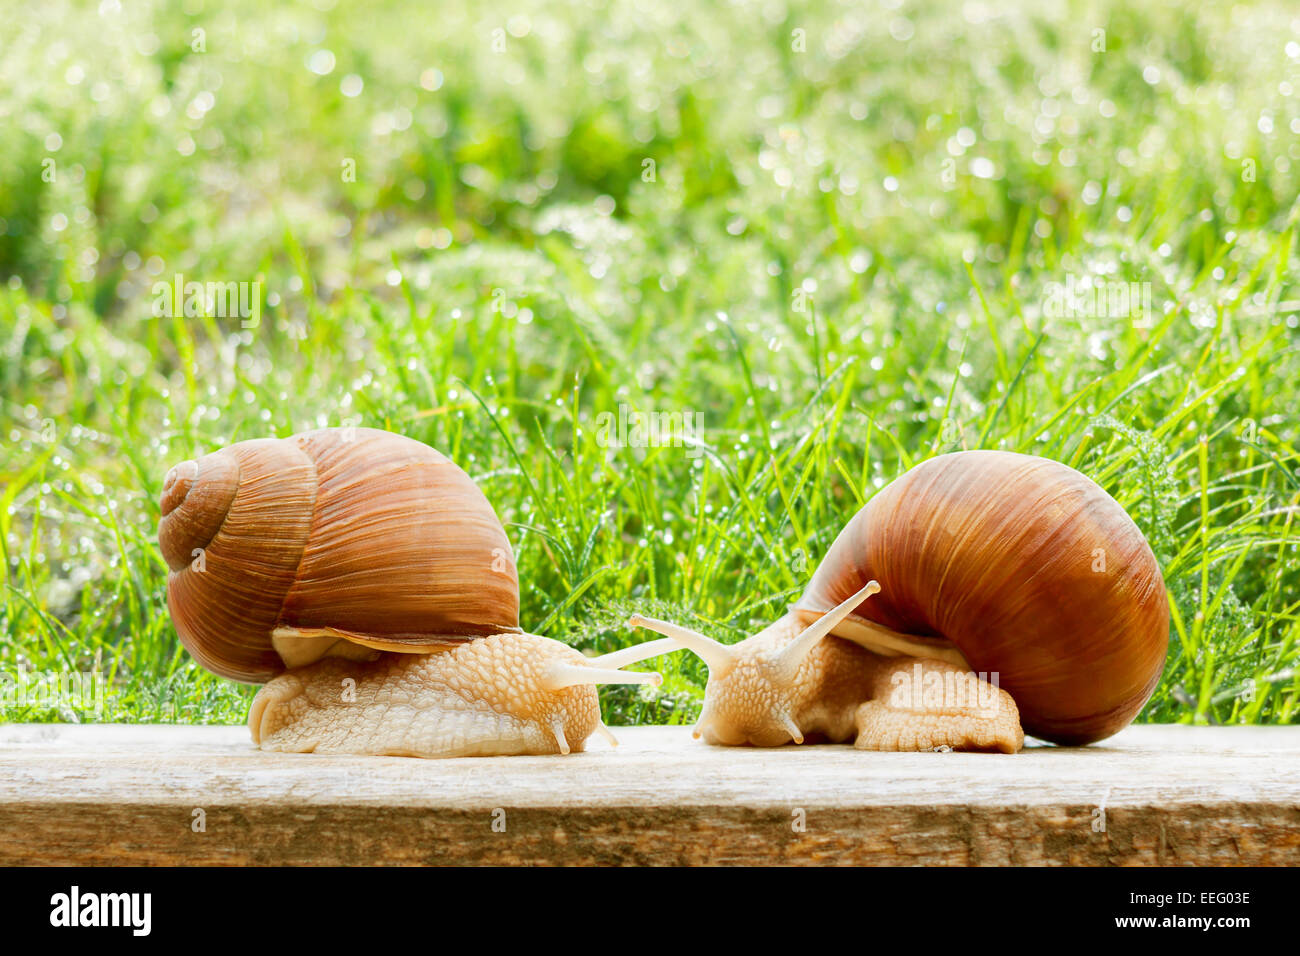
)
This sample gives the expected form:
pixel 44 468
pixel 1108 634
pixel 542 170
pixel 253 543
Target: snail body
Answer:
pixel 501 695
pixel 1015 569
pixel 365 580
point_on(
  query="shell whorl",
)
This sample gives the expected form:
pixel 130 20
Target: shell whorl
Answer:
pixel 196 496
pixel 363 535
pixel 1026 566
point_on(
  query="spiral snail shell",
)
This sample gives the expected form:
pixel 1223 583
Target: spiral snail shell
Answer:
pixel 359 559
pixel 1017 568
pixel 279 549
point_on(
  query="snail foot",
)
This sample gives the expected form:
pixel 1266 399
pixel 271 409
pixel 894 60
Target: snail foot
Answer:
pixel 931 705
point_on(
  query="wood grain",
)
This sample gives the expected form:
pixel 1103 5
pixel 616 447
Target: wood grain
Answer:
pixel 112 794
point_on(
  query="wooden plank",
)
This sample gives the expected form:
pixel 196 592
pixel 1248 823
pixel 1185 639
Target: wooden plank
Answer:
pixel 113 794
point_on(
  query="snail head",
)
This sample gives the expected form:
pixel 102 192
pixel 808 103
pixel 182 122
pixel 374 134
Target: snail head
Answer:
pixel 750 695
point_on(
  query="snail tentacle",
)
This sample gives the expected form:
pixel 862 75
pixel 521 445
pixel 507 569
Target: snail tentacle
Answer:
pixel 557 729
pixel 719 657
pixel 607 734
pixel 795 652
pixel 561 675
pixel 636 653
pixel 795 733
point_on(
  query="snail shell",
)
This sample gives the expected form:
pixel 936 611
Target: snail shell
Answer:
pixel 330 542
pixel 1026 568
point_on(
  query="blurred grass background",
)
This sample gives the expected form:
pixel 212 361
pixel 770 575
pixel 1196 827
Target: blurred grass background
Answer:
pixel 829 230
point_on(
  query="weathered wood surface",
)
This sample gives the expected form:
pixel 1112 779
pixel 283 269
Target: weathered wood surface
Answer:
pixel 127 795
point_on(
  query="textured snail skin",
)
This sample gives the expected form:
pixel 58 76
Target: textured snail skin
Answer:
pixel 366 577
pixel 977 591
pixel 482 698
pixel 841 692
pixel 1025 567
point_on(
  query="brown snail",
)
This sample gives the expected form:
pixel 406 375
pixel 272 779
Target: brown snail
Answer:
pixel 366 581
pixel 1011 590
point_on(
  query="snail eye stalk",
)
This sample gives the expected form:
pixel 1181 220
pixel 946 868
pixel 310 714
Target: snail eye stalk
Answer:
pixel 795 652
pixel 719 657
pixel 559 676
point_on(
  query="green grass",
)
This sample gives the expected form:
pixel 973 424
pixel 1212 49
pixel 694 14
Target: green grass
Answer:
pixel 505 269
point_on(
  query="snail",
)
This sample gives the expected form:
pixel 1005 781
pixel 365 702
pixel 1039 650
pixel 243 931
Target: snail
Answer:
pixel 366 582
pixel 979 596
